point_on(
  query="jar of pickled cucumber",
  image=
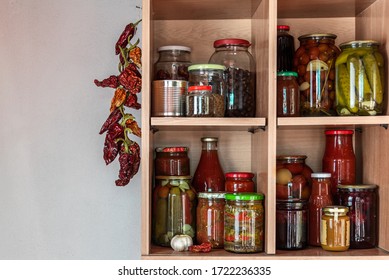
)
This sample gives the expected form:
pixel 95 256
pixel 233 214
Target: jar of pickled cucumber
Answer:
pixel 173 209
pixel 360 79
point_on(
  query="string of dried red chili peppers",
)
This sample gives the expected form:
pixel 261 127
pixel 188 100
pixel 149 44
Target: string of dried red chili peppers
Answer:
pixel 120 124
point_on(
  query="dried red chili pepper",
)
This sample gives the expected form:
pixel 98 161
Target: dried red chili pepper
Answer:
pixel 131 79
pixel 132 101
pixel 113 118
pixel 129 163
pixel 135 129
pixel 127 34
pixel 136 56
pixel 111 145
pixel 111 81
pixel 202 248
pixel 118 98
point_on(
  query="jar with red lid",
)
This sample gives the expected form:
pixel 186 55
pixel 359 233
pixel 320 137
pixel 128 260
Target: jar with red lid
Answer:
pixel 238 182
pixel 339 158
pixel 172 161
pixel 285 48
pixel 200 102
pixel 288 95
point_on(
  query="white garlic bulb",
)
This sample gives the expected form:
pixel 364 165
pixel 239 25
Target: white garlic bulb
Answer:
pixel 181 242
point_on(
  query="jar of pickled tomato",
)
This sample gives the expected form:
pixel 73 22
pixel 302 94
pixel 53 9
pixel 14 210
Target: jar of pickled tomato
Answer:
pixel 239 182
pixel 335 228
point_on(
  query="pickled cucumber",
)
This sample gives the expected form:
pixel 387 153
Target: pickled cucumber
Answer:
pixel 160 219
pixel 344 90
pixel 362 85
pixel 175 221
pixel 373 75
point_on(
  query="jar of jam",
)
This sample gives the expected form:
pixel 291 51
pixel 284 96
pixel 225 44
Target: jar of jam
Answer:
pixel 362 203
pixel 288 95
pixel 339 158
pixel 172 161
pixel 293 177
pixel 173 63
pixel 244 222
pixel 285 48
pixel 200 102
pixel 239 182
pixel 291 224
pixel 314 61
pixel 239 75
pixel 210 218
pixel 320 197
pixel 360 79
pixel 335 228
pixel 173 209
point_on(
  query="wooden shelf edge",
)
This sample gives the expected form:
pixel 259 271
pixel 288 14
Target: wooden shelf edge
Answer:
pixel 331 121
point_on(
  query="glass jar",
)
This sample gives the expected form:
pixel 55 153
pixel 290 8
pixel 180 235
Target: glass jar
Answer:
pixel 239 75
pixel 314 61
pixel 362 203
pixel 244 222
pixel 210 218
pixel 291 224
pixel 172 161
pixel 174 208
pixel 339 158
pixel 320 197
pixel 200 102
pixel 239 182
pixel 173 63
pixel 285 48
pixel 288 95
pixel 360 79
pixel 335 228
pixel 209 175
pixel 293 177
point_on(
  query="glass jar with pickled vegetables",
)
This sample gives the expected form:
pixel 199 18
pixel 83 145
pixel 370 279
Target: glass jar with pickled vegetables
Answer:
pixel 239 182
pixel 360 79
pixel 244 222
pixel 173 63
pixel 335 228
pixel 314 61
pixel 210 218
pixel 293 177
pixel 172 161
pixel 174 208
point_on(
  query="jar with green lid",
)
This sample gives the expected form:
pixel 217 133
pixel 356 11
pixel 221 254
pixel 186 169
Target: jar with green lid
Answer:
pixel 288 95
pixel 244 222
pixel 173 209
pixel 360 79
pixel 335 228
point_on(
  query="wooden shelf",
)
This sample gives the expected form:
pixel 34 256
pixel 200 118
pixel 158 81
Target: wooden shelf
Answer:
pixel 334 121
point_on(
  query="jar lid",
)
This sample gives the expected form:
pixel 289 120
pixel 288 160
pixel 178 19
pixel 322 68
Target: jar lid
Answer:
pixel 171 149
pixel 287 73
pixel 239 175
pixel 321 175
pixel 231 42
pixel 283 27
pixel 335 209
pixel 359 44
pixel 174 48
pixel 173 177
pixel 244 196
pixel 206 67
pixel 209 139
pixel 317 36
pixel 339 132
pixel 294 157
pixel 216 195
pixel 192 88
pixel 357 187
pixel 292 203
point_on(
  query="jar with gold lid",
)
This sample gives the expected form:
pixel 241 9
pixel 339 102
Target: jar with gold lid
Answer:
pixel 335 228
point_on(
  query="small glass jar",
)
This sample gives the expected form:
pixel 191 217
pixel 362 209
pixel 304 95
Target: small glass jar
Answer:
pixel 288 95
pixel 293 177
pixel 210 218
pixel 360 79
pixel 335 228
pixel 244 222
pixel 285 48
pixel 363 212
pixel 173 63
pixel 173 209
pixel 291 224
pixel 200 102
pixel 239 75
pixel 172 161
pixel 314 61
pixel 239 182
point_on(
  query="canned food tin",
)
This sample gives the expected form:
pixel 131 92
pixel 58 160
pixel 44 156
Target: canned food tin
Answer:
pixel 168 98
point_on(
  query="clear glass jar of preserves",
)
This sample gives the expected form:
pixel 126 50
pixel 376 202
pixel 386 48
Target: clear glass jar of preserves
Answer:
pixel 173 209
pixel 244 222
pixel 210 218
pixel 200 102
pixel 288 95
pixel 363 212
pixel 360 79
pixel 291 224
pixel 239 75
pixel 173 63
pixel 285 48
pixel 172 161
pixel 335 228
pixel 238 182
pixel 314 61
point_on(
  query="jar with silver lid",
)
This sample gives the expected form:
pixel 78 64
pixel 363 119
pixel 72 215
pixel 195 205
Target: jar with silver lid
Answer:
pixel 173 63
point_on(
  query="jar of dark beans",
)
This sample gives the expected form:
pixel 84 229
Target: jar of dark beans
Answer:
pixel 239 75
pixel 200 102
pixel 173 63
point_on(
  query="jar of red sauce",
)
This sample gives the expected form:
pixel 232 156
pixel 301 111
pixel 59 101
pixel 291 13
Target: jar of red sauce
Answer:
pixel 288 95
pixel 239 182
pixel 339 158
pixel 172 161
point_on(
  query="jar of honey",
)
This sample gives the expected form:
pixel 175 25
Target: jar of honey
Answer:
pixel 335 228
pixel 239 182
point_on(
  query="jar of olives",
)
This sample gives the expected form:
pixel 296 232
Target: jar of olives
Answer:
pixel 314 61
pixel 173 63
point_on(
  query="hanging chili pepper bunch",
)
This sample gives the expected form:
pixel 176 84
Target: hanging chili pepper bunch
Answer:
pixel 120 124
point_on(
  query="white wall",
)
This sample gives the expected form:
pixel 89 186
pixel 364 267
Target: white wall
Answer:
pixel 58 199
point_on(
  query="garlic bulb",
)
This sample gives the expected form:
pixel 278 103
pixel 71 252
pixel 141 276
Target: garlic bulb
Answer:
pixel 181 242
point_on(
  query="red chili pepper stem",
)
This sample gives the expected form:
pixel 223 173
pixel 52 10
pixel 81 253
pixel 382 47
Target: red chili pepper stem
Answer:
pixel 124 54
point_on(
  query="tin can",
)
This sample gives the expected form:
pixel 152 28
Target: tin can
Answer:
pixel 168 99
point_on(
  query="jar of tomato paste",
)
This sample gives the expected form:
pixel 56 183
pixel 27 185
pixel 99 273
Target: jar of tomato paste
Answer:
pixel 239 182
pixel 172 161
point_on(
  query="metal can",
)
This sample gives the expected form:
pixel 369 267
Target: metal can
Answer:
pixel 168 98
pixel 288 95
pixel 335 228
pixel 172 161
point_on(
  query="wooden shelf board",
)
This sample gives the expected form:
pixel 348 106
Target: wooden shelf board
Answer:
pixel 331 121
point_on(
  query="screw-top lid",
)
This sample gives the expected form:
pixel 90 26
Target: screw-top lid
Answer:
pixel 209 139
pixel 244 196
pixel 332 210
pixel 357 187
pixel 287 73
pixel 283 27
pixel 248 175
pixel 339 132
pixel 206 67
pixel 171 149
pixel 359 44
pixel 317 36
pixel 321 175
pixel 215 195
pixel 174 48
pixel 231 42
pixel 192 88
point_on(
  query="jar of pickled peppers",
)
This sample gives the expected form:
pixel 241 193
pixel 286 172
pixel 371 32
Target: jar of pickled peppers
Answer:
pixel 335 228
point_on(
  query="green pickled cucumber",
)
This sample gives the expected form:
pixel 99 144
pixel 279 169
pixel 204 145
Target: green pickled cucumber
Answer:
pixel 343 89
pixel 373 75
pixel 160 227
pixel 362 85
pixel 175 219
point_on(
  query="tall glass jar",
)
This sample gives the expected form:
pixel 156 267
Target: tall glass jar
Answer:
pixel 335 228
pixel 339 158
pixel 172 161
pixel 239 75
pixel 209 175
pixel 210 218
pixel 360 78
pixel 285 48
pixel 314 61
pixel 363 212
pixel 173 63
pixel 174 208
pixel 238 182
pixel 244 222
pixel 320 197
pixel 288 95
